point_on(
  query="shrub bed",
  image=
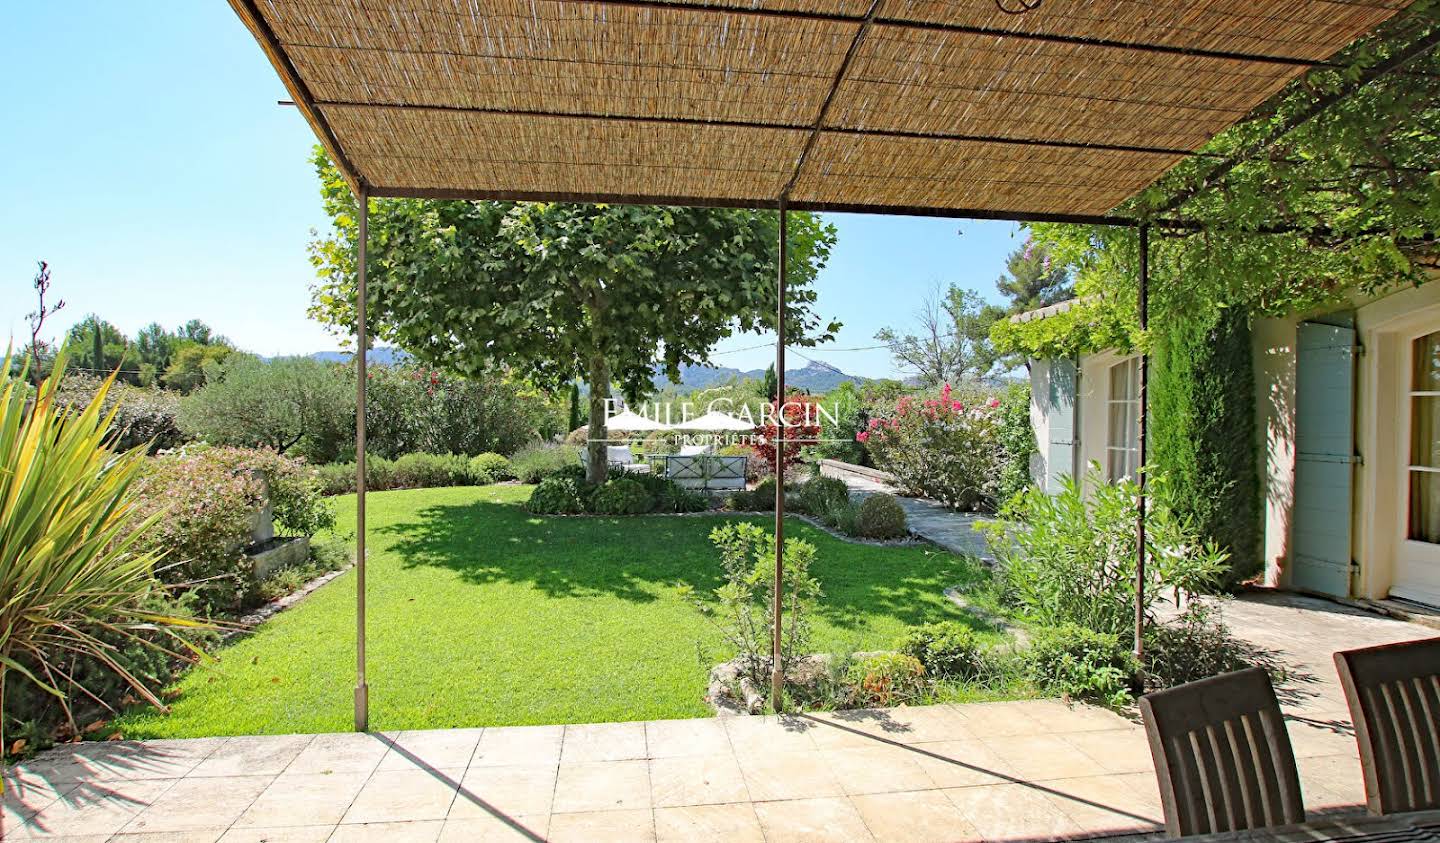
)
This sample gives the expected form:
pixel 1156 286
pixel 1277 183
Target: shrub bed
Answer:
pixel 618 496
pixel 941 449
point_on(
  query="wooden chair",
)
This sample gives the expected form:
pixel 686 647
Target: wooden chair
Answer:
pixel 1222 755
pixel 1394 697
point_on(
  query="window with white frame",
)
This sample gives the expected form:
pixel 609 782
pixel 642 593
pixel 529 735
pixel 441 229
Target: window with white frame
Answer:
pixel 1122 442
pixel 1424 468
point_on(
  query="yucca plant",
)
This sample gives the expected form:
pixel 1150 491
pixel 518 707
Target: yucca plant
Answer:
pixel 73 582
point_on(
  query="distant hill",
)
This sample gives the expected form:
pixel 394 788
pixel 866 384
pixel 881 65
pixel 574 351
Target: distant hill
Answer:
pixel 814 377
pixel 383 356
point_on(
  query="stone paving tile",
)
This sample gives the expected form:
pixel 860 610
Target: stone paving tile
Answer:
pixel 812 821
pixel 1001 719
pixel 603 786
pixel 960 764
pixel 349 753
pixel 789 775
pixel 602 827
pixel 1331 781
pixel 493 829
pixel 603 742
pixel 1007 811
pixel 1041 757
pixel 1105 804
pixel 114 761
pixel 91 809
pixel 752 735
pixel 199 803
pixel 915 817
pixel 253 756
pixel 733 823
pixel 675 738
pixel 1115 750
pixel 921 724
pixel 518 790
pixel 508 746
pixel 426 831
pixel 880 769
pixel 397 795
pixel 436 748
pixel 309 798
pixel 288 834
pixel 696 780
pixel 203 835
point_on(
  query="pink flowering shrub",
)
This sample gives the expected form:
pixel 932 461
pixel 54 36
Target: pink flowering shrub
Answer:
pixel 939 448
pixel 206 496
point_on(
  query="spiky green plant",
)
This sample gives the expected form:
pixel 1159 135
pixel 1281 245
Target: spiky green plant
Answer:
pixel 73 582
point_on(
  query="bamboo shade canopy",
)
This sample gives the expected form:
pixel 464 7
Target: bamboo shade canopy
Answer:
pixel 946 107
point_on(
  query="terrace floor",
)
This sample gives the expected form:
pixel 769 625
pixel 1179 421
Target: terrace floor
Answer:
pixel 994 771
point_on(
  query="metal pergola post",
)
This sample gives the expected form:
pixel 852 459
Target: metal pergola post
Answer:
pixel 777 671
pixel 1143 306
pixel 362 689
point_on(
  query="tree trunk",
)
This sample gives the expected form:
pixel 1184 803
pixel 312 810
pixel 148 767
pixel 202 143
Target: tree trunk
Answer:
pixel 598 466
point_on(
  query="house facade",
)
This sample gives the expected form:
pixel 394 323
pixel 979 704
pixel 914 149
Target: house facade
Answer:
pixel 1347 405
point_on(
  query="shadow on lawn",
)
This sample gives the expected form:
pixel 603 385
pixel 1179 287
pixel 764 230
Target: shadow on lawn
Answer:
pixel 638 558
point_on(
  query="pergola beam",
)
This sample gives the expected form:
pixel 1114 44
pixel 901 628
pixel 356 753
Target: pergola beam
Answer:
pixel 963 29
pixel 901 134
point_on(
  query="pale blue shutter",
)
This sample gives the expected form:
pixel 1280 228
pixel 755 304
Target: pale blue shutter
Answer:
pixel 1060 404
pixel 1324 458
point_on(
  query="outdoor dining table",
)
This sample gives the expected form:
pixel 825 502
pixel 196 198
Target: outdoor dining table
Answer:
pixel 1420 827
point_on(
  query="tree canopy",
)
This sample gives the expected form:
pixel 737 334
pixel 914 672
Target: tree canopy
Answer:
pixel 1294 208
pixel 554 291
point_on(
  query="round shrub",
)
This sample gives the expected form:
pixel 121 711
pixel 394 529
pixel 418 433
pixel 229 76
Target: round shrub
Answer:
pixel 947 649
pixel 820 494
pixel 887 679
pixel 489 468
pixel 556 496
pixel 880 516
pixel 622 496
pixel 578 437
pixel 1082 663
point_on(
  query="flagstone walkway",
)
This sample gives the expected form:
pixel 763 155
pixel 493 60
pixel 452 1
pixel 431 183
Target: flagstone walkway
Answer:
pixel 1032 770
pixel 954 531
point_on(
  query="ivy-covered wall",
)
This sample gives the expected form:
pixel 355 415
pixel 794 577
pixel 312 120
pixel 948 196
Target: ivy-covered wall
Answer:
pixel 1202 430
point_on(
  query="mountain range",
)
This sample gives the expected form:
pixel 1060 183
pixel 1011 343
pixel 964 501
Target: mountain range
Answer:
pixel 814 377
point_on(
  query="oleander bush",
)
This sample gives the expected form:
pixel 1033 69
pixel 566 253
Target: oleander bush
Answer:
pixel 941 449
pixel 1070 558
pixel 880 516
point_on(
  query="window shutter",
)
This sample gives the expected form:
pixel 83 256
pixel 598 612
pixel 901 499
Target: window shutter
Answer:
pixel 1324 458
pixel 1061 419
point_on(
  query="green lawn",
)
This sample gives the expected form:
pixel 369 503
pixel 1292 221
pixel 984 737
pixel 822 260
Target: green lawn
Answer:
pixel 481 614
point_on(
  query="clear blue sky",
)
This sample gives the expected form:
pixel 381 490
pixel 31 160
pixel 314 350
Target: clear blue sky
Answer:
pixel 145 158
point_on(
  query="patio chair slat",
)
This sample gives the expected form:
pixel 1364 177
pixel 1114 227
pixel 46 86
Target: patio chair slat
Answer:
pixel 1222 755
pixel 1394 696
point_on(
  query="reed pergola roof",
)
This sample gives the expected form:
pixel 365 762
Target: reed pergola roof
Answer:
pixel 940 107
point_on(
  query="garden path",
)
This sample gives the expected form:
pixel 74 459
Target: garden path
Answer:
pixel 954 531
pixel 1028 770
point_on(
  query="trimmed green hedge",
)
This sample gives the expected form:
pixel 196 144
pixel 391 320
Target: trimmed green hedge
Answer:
pixel 1202 431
